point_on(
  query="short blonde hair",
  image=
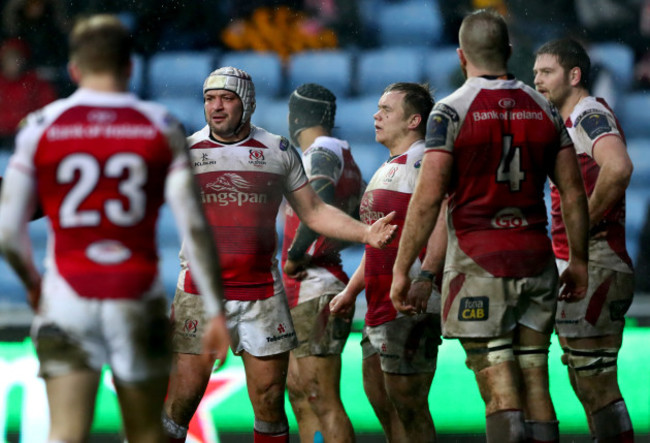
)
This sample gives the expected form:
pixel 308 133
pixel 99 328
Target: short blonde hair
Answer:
pixel 101 43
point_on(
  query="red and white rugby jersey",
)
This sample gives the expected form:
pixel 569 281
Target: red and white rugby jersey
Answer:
pixel 504 138
pixel 325 272
pixel 390 189
pixel 100 161
pixel 591 120
pixel 241 186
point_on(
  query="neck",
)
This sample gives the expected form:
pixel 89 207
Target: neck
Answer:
pixel 307 136
pixel 103 83
pixel 571 102
pixel 404 144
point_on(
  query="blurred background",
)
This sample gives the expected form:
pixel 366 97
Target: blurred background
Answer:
pixel 355 48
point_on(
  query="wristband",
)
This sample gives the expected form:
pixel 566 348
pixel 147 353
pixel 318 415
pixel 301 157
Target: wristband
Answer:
pixel 425 276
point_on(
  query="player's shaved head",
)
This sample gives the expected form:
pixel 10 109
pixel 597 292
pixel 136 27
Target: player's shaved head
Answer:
pixel 484 39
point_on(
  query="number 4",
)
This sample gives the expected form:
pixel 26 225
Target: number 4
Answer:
pixel 510 165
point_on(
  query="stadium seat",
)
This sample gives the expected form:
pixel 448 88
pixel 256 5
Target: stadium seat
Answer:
pixel 272 116
pixel 354 121
pixel 409 23
pixel 634 114
pixel 442 70
pixel 639 151
pixel 617 58
pixel 636 210
pixel 189 110
pixel 179 73
pixel 380 67
pixel 137 81
pixel 264 67
pixel 332 69
pixel 369 157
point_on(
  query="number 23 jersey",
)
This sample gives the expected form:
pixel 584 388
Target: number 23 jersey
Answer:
pixel 100 162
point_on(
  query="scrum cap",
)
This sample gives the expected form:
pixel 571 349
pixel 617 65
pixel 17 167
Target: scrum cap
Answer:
pixel 310 105
pixel 237 81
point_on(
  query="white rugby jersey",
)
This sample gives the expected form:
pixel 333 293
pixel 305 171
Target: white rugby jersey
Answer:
pixel 241 186
pixel 325 272
pixel 390 189
pixel 591 120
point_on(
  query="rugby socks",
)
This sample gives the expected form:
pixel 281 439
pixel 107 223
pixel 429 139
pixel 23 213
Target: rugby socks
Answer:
pixel 175 432
pixel 542 431
pixel 612 424
pixel 268 432
pixel 505 427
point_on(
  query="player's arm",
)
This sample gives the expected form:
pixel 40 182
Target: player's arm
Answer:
pixel 18 202
pixel 325 165
pixel 343 302
pixel 613 178
pixel 182 196
pixel 423 210
pixel 432 266
pixel 332 222
pixel 575 214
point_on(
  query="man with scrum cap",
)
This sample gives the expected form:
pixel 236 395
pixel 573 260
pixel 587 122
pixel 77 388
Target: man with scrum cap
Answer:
pixel 243 172
pixel 313 272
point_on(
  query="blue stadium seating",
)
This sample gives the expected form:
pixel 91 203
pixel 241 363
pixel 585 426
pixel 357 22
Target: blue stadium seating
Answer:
pixel 179 73
pixel 379 67
pixel 369 157
pixel 189 110
pixel 440 68
pixel 409 23
pixel 137 81
pixel 634 114
pixel 617 58
pixel 272 116
pixel 639 151
pixel 332 69
pixel 354 119
pixel 264 67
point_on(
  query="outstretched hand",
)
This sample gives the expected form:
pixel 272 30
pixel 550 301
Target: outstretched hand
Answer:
pixel 381 232
pixel 216 341
pixel 573 283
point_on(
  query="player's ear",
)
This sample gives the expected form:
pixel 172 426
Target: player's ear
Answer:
pixel 575 75
pixel 74 72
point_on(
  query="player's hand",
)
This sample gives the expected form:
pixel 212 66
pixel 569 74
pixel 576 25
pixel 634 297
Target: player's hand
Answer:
pixel 419 294
pixel 296 269
pixel 399 291
pixel 342 303
pixel 573 282
pixel 381 232
pixel 216 341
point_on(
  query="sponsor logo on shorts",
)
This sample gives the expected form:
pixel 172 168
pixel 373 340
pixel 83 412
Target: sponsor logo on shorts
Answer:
pixel 282 329
pixel 474 309
pixel 383 354
pixel 618 308
pixel 191 326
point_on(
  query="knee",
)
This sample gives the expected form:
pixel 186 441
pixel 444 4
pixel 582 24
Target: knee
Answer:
pixel 595 374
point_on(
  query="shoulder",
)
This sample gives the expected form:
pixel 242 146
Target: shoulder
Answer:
pixel 593 117
pixel 270 140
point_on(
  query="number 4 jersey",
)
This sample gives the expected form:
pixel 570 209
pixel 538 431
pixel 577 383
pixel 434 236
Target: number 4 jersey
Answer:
pixel 100 161
pixel 504 138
